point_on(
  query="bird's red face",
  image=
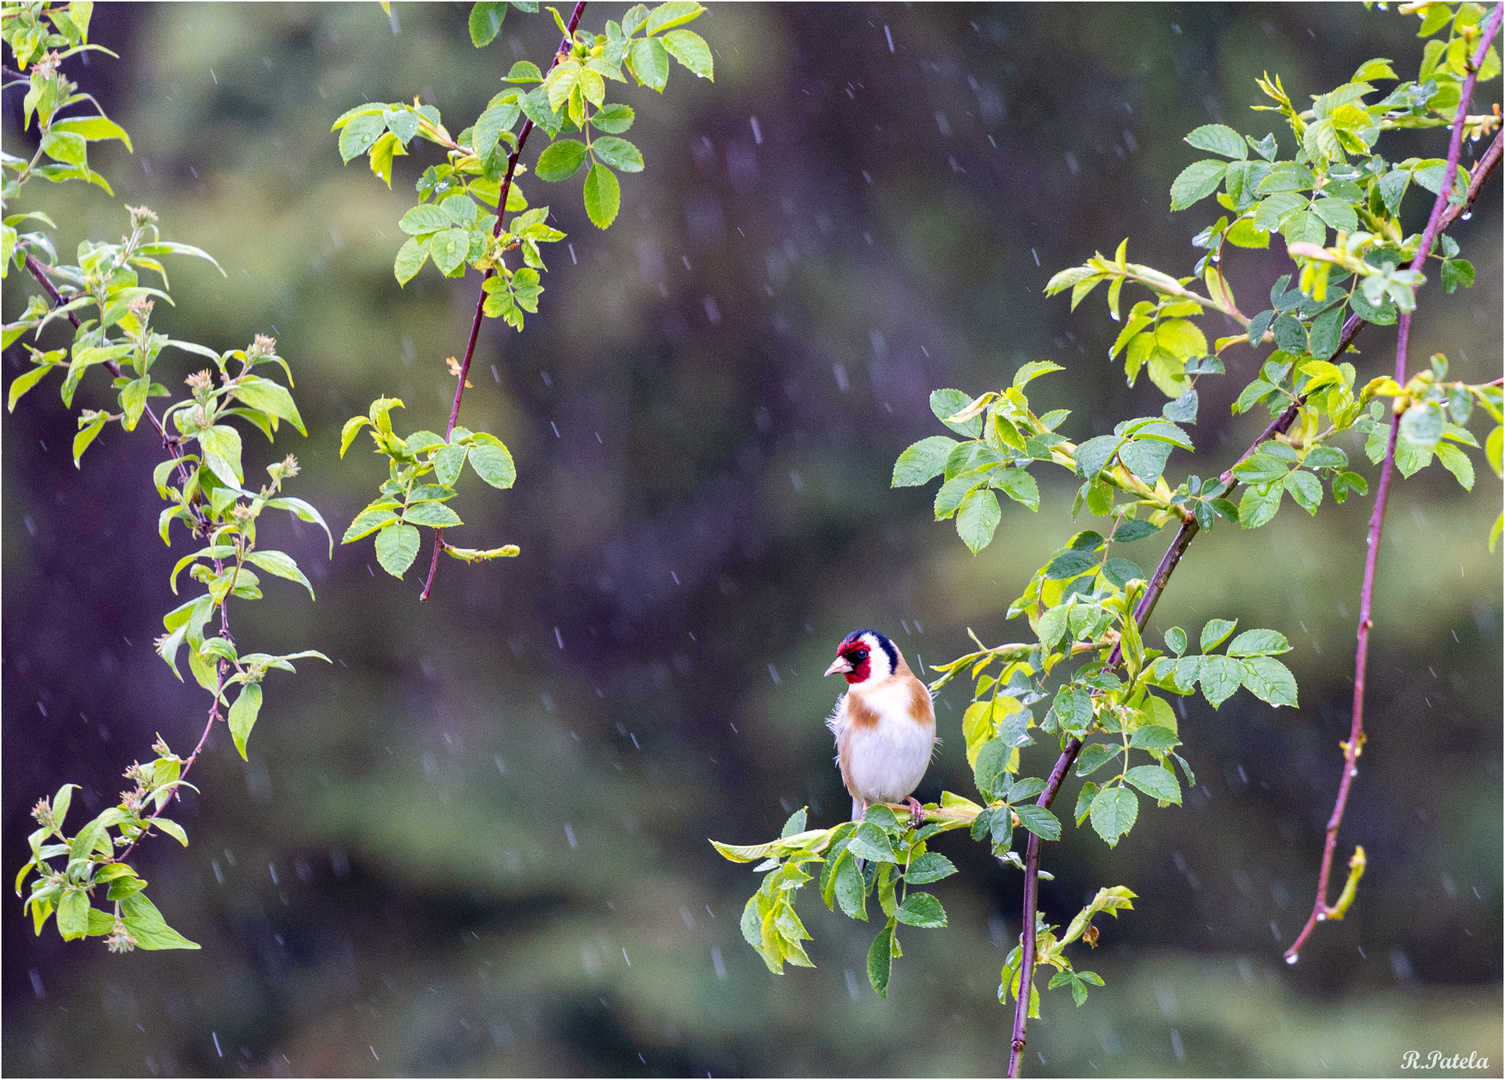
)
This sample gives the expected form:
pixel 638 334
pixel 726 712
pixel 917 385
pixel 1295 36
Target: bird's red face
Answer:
pixel 860 657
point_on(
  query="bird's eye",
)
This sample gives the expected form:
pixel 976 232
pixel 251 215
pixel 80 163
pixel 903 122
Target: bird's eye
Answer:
pixel 860 655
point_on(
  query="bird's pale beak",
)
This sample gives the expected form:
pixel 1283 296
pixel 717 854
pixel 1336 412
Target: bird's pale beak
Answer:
pixel 840 666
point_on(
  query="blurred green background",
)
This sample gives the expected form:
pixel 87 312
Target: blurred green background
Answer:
pixel 476 843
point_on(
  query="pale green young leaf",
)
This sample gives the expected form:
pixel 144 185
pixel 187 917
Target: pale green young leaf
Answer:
pixel 690 49
pixel 242 716
pixel 145 923
pixel 282 565
pixel 603 195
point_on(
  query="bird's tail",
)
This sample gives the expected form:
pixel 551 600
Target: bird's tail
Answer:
pixel 859 808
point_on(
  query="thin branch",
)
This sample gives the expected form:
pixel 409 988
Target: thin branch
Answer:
pixel 171 444
pixel 38 270
pixel 1483 170
pixel 475 323
pixel 1351 750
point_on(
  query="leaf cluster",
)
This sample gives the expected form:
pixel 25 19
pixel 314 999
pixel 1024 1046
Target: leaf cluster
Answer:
pixel 407 501
pixel 71 870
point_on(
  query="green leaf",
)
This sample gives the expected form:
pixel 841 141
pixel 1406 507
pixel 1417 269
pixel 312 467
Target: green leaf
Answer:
pixel 1196 182
pixel 1269 680
pixel 1259 504
pixel 649 62
pixel 1155 781
pixel 922 462
pixel 671 14
pixel 449 250
pixel 613 119
pixel 410 259
pixel 360 134
pixel 25 381
pixel 1219 139
pixel 1421 424
pixel 492 461
pixel 880 960
pixel 603 195
pixel 524 71
pixel 93 128
pixel 1457 273
pixel 221 446
pixel 73 914
pixel 1259 643
pixel 270 397
pixel 1457 463
pixel 931 866
pixel 1113 813
pixel 1039 821
pixel 872 843
pixel 1175 640
pixel 243 716
pixel 618 153
pixel 86 435
pixel 945 403
pixel 1220 677
pixel 690 49
pixel 849 889
pixel 1094 756
pixel 1306 489
pixel 1017 485
pixel 145 923
pixel 434 514
pixel 1154 737
pixel 1145 458
pixel 396 548
pixel 977 519
pixel 172 829
pixel 922 910
pixel 485 20
pixel 561 160
pixel 280 564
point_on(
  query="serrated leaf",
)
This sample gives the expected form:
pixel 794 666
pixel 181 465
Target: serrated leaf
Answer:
pixel 922 910
pixel 1156 782
pixel 1270 680
pixel 603 196
pixel 1219 139
pixel 1154 737
pixel 1259 643
pixel 880 960
pixel 396 548
pixel 1196 182
pixel 931 866
pixel 492 461
pixel 1114 811
pixel 1220 677
pixel 486 20
pixel 922 461
pixel 560 160
pixel 690 49
pixel 1038 820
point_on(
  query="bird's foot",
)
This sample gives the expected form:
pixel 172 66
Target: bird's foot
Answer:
pixel 916 812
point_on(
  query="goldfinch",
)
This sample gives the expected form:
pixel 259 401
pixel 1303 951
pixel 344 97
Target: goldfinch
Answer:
pixel 884 724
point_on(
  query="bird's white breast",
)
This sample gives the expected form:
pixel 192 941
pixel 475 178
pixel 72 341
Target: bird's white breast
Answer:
pixel 885 761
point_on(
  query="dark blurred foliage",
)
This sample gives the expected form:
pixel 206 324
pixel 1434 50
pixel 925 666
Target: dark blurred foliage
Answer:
pixel 477 842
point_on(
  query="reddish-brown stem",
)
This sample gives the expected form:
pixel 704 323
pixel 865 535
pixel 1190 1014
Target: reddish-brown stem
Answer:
pixel 475 322
pixel 1449 212
pixel 1320 907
